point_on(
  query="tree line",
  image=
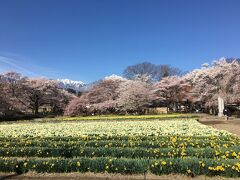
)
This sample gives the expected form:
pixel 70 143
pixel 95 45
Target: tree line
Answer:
pixel 142 86
pixel 21 96
pixel 147 85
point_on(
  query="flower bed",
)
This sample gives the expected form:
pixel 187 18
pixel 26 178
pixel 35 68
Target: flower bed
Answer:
pixel 127 147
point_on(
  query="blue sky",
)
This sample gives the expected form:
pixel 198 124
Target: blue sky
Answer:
pixel 89 39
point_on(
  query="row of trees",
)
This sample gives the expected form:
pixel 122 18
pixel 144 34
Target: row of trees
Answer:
pixel 143 85
pixel 22 95
pixel 199 88
pixel 112 95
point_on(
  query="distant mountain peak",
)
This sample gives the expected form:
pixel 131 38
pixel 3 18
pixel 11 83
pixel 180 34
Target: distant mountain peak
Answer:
pixel 114 77
pixel 70 84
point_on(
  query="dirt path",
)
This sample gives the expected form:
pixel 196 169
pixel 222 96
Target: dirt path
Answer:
pixel 98 176
pixel 232 125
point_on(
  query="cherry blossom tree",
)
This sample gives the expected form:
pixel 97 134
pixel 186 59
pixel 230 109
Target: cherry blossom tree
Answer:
pixel 22 94
pixel 12 90
pixel 173 90
pixel 105 90
pixel 134 96
pixel 41 91
pixel 230 83
pixel 77 106
pixel 105 107
pixel 219 79
pixel 99 99
pixel 4 105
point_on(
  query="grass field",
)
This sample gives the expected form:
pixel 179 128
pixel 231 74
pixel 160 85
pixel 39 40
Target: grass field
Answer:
pixel 128 147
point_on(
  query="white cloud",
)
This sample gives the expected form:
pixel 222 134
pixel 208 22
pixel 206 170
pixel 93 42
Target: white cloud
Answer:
pixel 8 64
pixel 23 65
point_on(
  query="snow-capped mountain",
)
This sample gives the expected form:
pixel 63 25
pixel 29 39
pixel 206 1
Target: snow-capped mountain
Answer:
pixel 114 77
pixel 70 84
pixel 79 86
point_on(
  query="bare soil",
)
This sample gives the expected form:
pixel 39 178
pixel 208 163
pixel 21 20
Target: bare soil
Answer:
pixel 98 176
pixel 231 125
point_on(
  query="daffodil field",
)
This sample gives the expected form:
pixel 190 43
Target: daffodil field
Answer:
pixel 120 117
pixel 129 147
pixel 128 117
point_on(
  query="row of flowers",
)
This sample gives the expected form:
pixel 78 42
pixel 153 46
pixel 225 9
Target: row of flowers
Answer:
pixel 148 143
pixel 191 166
pixel 113 128
pixel 119 152
pixel 127 117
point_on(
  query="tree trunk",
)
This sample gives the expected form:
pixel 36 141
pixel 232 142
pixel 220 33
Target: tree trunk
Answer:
pixel 36 106
pixel 175 106
pixel 190 107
